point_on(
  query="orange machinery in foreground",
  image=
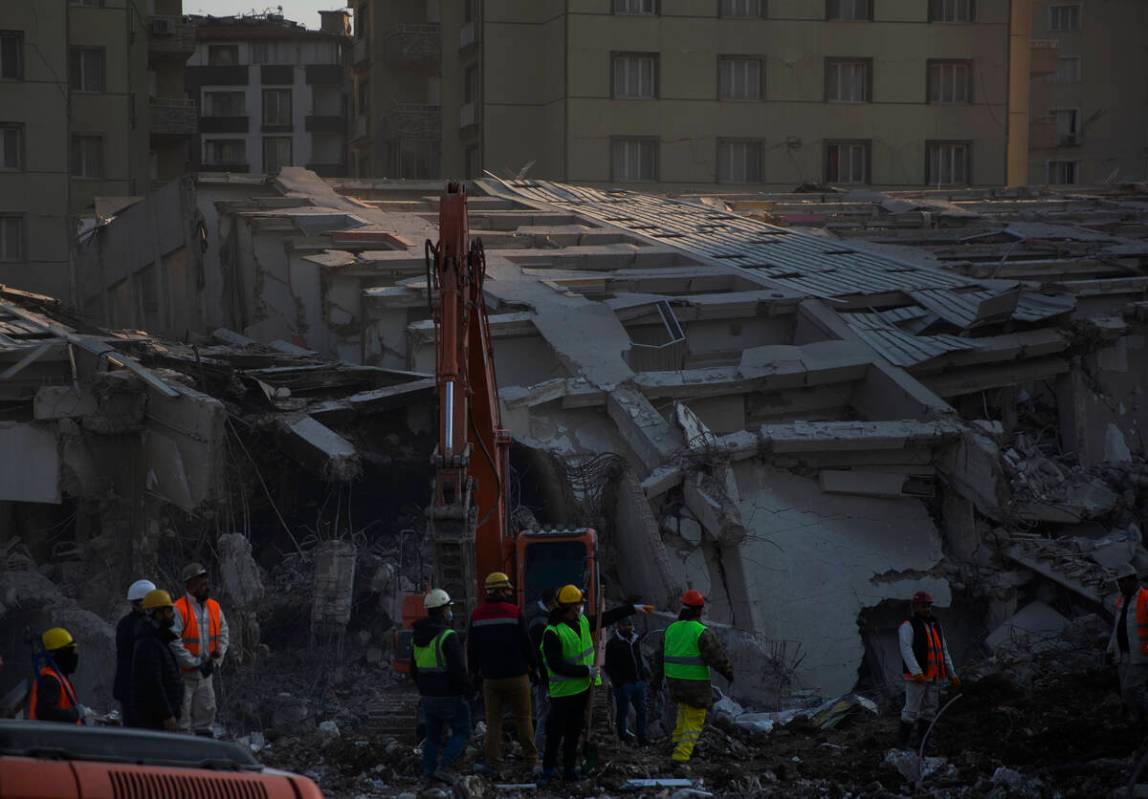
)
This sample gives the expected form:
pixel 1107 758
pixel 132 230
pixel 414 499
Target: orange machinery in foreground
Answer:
pixel 44 760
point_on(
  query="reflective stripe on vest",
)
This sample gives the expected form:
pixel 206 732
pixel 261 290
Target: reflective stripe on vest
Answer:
pixel 577 650
pixel 190 633
pixel 934 667
pixel 67 694
pixel 430 658
pixel 492 622
pixel 680 651
pixel 1141 618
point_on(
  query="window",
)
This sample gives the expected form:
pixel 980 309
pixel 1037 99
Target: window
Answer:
pixel 847 81
pixel 473 163
pixel 947 163
pixel 224 104
pixel 633 159
pixel 11 238
pixel 950 82
pixel 1063 19
pixel 277 107
pixel 11 145
pixel 739 78
pixel 847 162
pixel 224 152
pixel 1061 173
pixel 87 157
pixel 276 154
pixel 1067 132
pixel 952 10
pixel 261 52
pixel 11 55
pixel 472 81
pixel 636 76
pixel 739 161
pixel 470 10
pixel 87 69
pixel 743 8
pixel 223 55
pixel 849 9
pixel 363 97
pixel 639 7
pixel 1067 70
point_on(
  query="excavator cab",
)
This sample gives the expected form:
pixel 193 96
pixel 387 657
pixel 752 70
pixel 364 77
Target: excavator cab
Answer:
pixel 554 558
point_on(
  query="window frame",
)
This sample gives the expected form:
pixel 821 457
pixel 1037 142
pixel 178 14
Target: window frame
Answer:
pixel 656 4
pixel 759 144
pixel 831 62
pixel 209 143
pixel 1076 131
pixel 21 238
pixel 209 96
pixel 1079 15
pixel 18 128
pixel 725 58
pixel 932 143
pixel 267 140
pixel 277 91
pixel 937 16
pixel 654 141
pixel 941 63
pixel 867 148
pixel 78 139
pixel 762 11
pixel 76 53
pixel 1078 60
pixel 1059 162
pixel 829 17
pixel 17 37
pixel 212 49
pixel 615 56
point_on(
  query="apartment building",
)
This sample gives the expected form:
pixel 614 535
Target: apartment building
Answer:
pixel 272 93
pixel 398 119
pixel 91 105
pixel 1090 115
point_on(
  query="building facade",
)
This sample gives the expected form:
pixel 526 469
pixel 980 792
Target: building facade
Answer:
pixel 1090 115
pixel 91 105
pixel 271 94
pixel 398 116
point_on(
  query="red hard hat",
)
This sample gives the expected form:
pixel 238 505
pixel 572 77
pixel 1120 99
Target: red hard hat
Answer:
pixel 693 599
pixel 922 598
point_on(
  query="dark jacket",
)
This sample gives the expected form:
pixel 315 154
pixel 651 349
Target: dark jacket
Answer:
pixel 455 680
pixel 125 642
pixel 552 644
pixel 156 689
pixel 498 642
pixel 624 662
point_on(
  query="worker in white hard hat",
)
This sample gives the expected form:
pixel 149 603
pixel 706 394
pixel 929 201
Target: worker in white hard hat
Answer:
pixel 438 667
pixel 1128 644
pixel 125 641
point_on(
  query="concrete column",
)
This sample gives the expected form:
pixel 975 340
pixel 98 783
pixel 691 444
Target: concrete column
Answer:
pixel 1019 90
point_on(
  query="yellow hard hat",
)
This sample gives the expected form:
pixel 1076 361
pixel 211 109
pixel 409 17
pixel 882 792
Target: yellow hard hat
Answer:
pixel 569 595
pixel 157 599
pixel 497 580
pixel 57 638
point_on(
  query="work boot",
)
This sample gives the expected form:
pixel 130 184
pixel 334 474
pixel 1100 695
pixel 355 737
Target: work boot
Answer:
pixel 903 734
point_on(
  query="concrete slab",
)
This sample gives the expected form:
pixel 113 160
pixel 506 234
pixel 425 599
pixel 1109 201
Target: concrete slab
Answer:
pixel 30 472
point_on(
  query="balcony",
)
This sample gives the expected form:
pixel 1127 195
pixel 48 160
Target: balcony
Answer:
pixel 321 123
pixel 361 130
pixel 468 115
pixel 173 116
pixel 223 124
pixel 414 121
pixel 413 44
pixel 1043 58
pixel 170 36
pixel 361 52
pixel 1042 134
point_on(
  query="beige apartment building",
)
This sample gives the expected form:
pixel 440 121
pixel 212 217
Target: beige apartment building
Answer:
pixel 1090 116
pixel 91 105
pixel 397 120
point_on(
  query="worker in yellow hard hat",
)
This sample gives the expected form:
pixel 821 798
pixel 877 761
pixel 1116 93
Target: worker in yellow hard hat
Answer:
pixel 568 653
pixel 157 685
pixel 500 656
pixel 53 698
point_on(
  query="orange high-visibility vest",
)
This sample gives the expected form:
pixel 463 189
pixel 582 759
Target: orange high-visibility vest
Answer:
pixel 1141 618
pixel 934 665
pixel 67 694
pixel 191 627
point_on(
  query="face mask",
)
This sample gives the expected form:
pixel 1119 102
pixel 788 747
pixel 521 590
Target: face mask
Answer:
pixel 67 660
pixel 167 622
pixel 581 611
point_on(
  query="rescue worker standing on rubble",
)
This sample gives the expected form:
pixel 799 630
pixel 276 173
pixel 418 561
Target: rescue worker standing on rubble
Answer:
pixel 927 664
pixel 125 641
pixel 53 698
pixel 156 686
pixel 568 653
pixel 626 668
pixel 537 619
pixel 499 653
pixel 1128 644
pixel 438 667
pixel 200 644
pixel 689 651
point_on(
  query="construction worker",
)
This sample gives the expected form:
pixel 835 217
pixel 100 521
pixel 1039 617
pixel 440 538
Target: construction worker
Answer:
pixel 537 619
pixel 201 642
pixel 438 667
pixel 499 653
pixel 927 664
pixel 626 668
pixel 157 687
pixel 1128 644
pixel 125 639
pixel 568 652
pixel 689 650
pixel 53 698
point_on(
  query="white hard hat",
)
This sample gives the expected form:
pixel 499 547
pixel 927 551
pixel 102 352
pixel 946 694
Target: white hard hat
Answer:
pixel 139 589
pixel 437 598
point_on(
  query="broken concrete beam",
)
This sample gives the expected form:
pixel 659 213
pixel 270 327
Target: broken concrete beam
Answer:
pixel 374 400
pixel 63 402
pixel 651 437
pixel 661 480
pixel 708 499
pixel 320 448
pixel 697 434
pixel 844 436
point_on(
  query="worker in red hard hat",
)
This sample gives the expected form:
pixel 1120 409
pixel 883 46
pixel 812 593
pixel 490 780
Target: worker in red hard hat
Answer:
pixel 927 665
pixel 689 651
